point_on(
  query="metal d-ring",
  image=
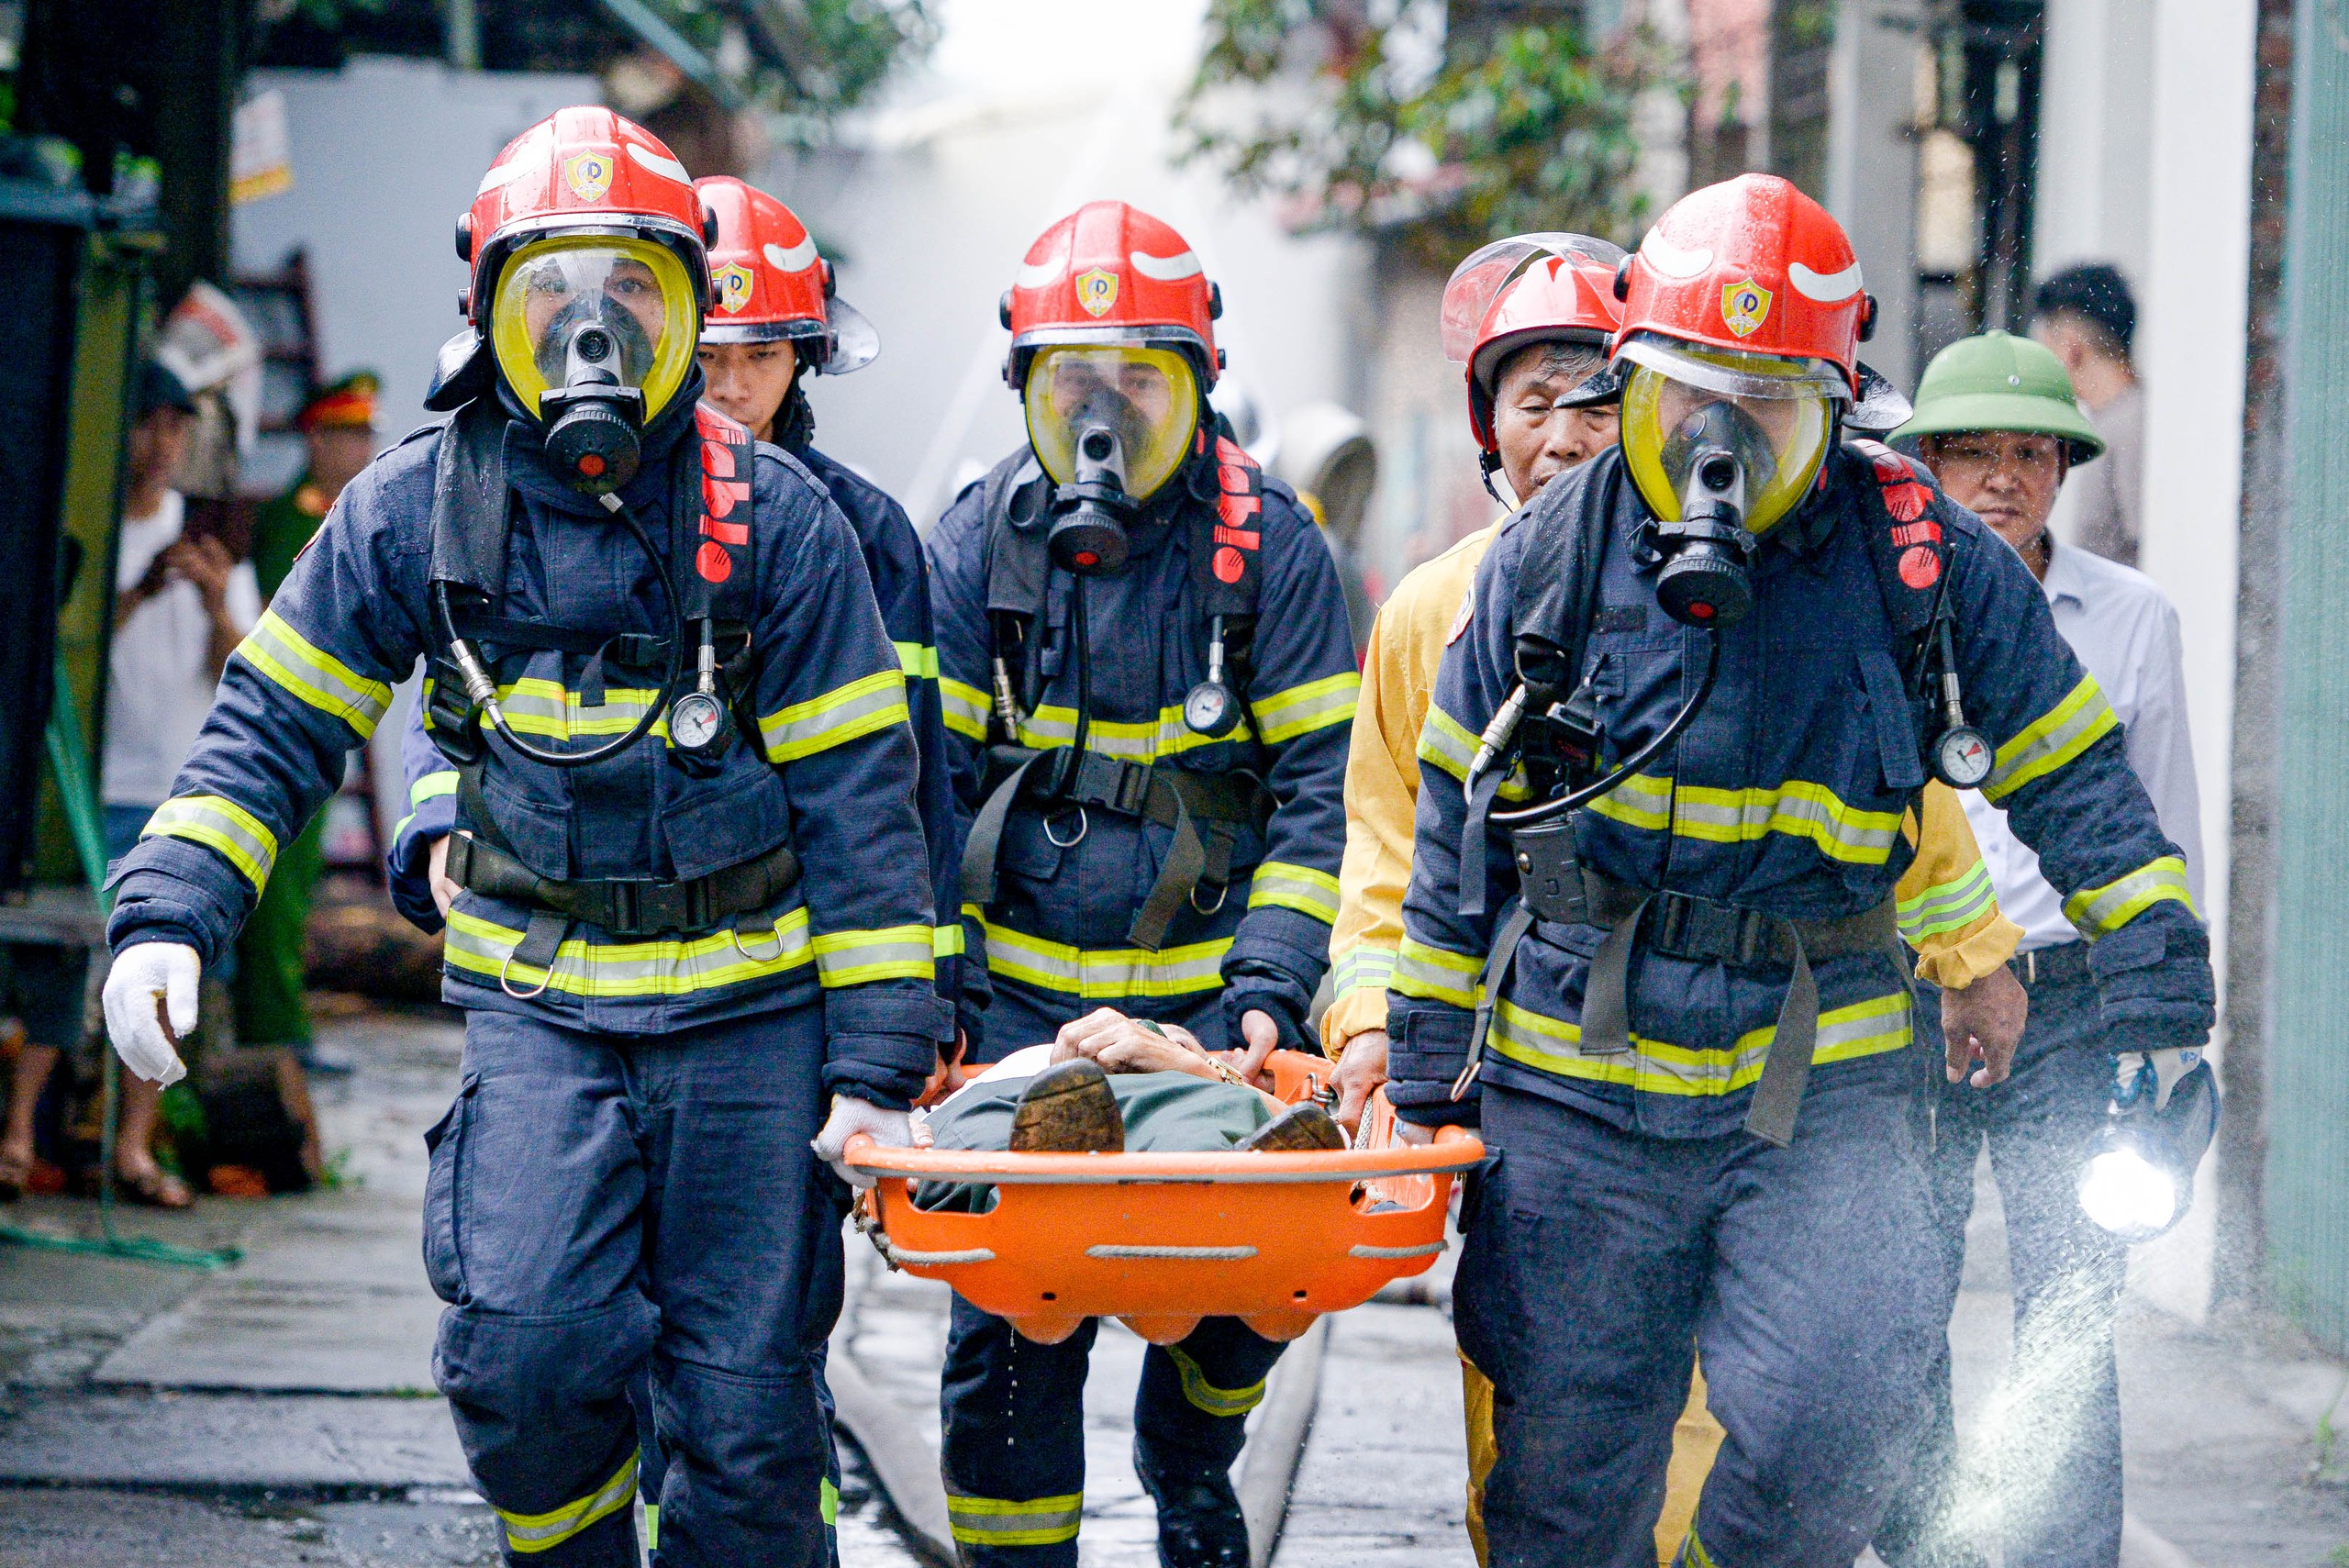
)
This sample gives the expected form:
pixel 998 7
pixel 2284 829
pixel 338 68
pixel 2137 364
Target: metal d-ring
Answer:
pixel 521 995
pixel 1084 826
pixel 734 935
pixel 1222 892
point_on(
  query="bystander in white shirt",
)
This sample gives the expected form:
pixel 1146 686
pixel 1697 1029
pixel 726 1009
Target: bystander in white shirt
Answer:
pixel 2124 628
pixel 164 678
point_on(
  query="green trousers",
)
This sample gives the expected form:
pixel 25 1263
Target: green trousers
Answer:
pixel 270 1007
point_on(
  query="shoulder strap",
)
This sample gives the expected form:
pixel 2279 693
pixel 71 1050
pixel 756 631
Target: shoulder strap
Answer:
pixel 1226 568
pixel 1905 543
pixel 469 503
pixel 1557 579
pixel 1018 564
pixel 726 558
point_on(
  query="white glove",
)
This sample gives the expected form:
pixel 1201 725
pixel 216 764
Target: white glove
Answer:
pixel 2168 1066
pixel 891 1129
pixel 143 976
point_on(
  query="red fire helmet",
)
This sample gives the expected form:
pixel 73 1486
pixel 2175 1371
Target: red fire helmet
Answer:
pixel 768 282
pixel 1110 273
pixel 587 170
pixel 1751 266
pixel 1529 288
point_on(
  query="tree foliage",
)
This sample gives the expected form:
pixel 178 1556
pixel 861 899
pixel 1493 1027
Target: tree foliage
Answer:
pixel 1363 116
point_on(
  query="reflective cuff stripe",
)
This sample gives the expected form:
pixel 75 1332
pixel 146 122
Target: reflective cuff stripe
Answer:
pixel 1551 1045
pixel 1206 1396
pixel 918 660
pixel 1362 969
pixel 827 1504
pixel 1446 743
pixel 529 1533
pixel 304 670
pixel 221 825
pixel 1301 888
pixel 2069 730
pixel 431 787
pixel 1641 801
pixel 1102 973
pixel 1946 906
pixel 1433 974
pixel 967 708
pixel 838 717
pixel 1014 1521
pixel 2100 911
pixel 946 942
pixel 667 967
pixel 1317 705
pixel 859 958
pixel 1127 740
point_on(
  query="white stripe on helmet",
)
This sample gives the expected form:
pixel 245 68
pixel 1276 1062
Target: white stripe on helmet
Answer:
pixel 1166 269
pixel 1827 288
pixel 798 259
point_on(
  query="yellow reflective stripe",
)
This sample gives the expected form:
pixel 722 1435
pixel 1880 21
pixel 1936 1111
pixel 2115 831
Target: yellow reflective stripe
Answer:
pixel 1651 1066
pixel 431 787
pixel 1946 906
pixel 827 1504
pixel 1362 969
pixel 1301 888
pixel 666 967
pixel 2068 729
pixel 946 942
pixel 1296 710
pixel 307 671
pixel 1798 808
pixel 1693 1553
pixel 1434 974
pixel 1446 743
pixel 222 825
pixel 1014 1521
pixel 858 958
pixel 1206 1396
pixel 652 1525
pixel 1642 801
pixel 1128 740
pixel 551 711
pixel 840 715
pixel 1101 973
pixel 967 708
pixel 2100 911
pixel 918 660
pixel 529 1533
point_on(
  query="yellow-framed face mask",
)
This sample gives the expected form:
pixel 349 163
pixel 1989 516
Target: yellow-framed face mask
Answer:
pixel 635 288
pixel 1148 397
pixel 1776 416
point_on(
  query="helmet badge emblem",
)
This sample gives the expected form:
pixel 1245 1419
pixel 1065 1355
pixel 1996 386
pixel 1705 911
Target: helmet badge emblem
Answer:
pixel 589 175
pixel 1097 291
pixel 1745 304
pixel 731 283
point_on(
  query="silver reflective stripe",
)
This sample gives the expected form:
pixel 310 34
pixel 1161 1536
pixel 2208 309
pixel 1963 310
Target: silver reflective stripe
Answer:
pixel 1301 888
pixel 529 1533
pixel 858 708
pixel 967 708
pixel 856 958
pixel 295 665
pixel 1104 973
pixel 1363 969
pixel 594 966
pixel 2065 731
pixel 221 825
pixel 1435 974
pixel 1014 1521
pixel 2100 911
pixel 1447 743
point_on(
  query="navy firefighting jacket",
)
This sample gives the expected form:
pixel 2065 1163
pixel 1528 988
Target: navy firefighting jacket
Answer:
pixel 1784 795
pixel 832 770
pixel 1058 928
pixel 893 557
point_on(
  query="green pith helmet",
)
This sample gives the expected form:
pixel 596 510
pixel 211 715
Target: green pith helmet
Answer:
pixel 2000 382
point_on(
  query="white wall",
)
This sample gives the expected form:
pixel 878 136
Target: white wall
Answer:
pixel 1872 167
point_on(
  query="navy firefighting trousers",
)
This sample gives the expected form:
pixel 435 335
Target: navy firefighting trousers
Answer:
pixel 600 1203
pixel 1014 1456
pixel 2059 1496
pixel 1597 1259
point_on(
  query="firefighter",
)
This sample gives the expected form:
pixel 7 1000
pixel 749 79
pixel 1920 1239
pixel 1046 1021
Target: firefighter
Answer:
pixel 1703 681
pixel 1148 676
pixel 1530 321
pixel 694 905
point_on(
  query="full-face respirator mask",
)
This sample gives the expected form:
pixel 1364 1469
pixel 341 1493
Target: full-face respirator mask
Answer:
pixel 1110 424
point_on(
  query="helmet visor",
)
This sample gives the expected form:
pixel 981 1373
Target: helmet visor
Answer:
pixel 1478 281
pixel 637 290
pixel 1148 397
pixel 1669 424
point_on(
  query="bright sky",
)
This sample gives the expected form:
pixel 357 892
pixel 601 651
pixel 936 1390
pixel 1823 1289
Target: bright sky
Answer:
pixel 994 45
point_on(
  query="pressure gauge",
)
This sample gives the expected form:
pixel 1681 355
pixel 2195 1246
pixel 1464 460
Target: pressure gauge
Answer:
pixel 1211 710
pixel 696 723
pixel 1962 757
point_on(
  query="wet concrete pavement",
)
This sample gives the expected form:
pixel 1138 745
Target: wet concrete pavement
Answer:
pixel 280 1412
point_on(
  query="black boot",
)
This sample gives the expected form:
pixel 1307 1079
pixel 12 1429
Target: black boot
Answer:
pixel 1199 1524
pixel 1299 1129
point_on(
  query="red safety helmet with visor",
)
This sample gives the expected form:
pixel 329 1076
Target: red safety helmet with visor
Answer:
pixel 587 214
pixel 1744 312
pixel 768 282
pixel 1112 315
pixel 1529 288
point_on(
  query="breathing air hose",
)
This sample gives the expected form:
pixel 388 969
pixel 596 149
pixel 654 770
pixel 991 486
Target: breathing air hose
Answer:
pixel 1550 810
pixel 78 797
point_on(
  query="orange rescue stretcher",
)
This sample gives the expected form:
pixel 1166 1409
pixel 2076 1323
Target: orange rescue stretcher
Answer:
pixel 1162 1241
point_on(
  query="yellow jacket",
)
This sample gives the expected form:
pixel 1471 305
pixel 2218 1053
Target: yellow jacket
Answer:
pixel 1948 909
